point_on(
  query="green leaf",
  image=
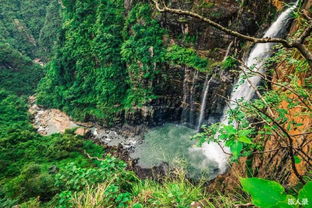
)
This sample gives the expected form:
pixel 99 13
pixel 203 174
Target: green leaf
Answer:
pixel 137 205
pixel 264 193
pixel 236 147
pixel 305 195
pixel 244 139
pixel 289 202
pixel 297 159
pixel 230 129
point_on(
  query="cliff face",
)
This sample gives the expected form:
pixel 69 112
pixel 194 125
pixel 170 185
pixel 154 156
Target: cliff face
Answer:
pixel 122 64
pixel 180 92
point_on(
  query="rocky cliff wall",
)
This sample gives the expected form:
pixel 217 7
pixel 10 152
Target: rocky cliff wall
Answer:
pixel 249 17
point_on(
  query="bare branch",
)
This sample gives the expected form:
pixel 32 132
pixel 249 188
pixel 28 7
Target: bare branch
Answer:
pixel 269 151
pixel 305 33
pixel 305 14
pixel 92 158
pixel 291 146
pixel 298 44
pixel 223 149
pixel 257 92
pixel 243 205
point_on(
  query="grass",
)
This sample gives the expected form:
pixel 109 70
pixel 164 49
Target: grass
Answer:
pixel 175 191
pixel 92 197
pixel 179 192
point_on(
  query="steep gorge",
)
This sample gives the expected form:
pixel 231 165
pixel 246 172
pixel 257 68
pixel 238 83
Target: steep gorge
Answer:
pixel 123 80
pixel 163 85
pixel 149 93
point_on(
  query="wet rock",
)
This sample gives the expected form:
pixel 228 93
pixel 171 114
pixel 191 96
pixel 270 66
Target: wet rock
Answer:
pixel 156 172
pixel 51 121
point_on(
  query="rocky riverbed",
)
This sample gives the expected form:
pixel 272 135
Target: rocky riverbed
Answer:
pixel 150 152
pixel 51 121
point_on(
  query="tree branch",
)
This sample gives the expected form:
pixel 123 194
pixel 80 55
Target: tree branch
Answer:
pixel 298 44
pixel 291 146
pixel 277 84
pixel 257 92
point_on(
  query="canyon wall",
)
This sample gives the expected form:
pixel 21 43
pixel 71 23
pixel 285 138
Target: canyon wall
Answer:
pixel 179 89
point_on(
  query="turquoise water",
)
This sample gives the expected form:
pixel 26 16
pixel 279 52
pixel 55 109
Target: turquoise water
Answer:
pixel 172 144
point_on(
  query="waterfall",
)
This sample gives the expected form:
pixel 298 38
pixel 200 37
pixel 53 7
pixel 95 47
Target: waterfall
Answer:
pixel 256 60
pixel 228 50
pixel 188 108
pixel 192 93
pixel 203 101
pixel 205 91
pixel 258 57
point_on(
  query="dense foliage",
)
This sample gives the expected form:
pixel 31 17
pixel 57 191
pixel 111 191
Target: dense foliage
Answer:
pixel 87 77
pixel 187 57
pixel 22 24
pixel 143 52
pixel 108 61
pixel 105 60
pixel 49 32
pixel 49 167
pixel 18 74
pixel 54 171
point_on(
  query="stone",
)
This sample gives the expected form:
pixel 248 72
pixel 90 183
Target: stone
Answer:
pixel 81 131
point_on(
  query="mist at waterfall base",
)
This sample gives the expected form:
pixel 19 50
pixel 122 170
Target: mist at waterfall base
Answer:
pixel 171 143
pixel 247 88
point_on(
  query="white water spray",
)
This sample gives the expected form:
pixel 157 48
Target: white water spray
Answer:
pixel 256 60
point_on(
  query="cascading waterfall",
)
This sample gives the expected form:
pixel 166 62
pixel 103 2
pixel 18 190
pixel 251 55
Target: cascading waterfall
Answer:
pixel 203 101
pixel 258 57
pixel 256 60
pixel 192 93
pixel 205 91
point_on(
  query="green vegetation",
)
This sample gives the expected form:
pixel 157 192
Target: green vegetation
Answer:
pixel 22 22
pixel 49 167
pixel 87 76
pixel 186 56
pixel 54 171
pixel 143 52
pixel 268 194
pixel 49 32
pixel 107 63
pixel 18 74
pixel 104 60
